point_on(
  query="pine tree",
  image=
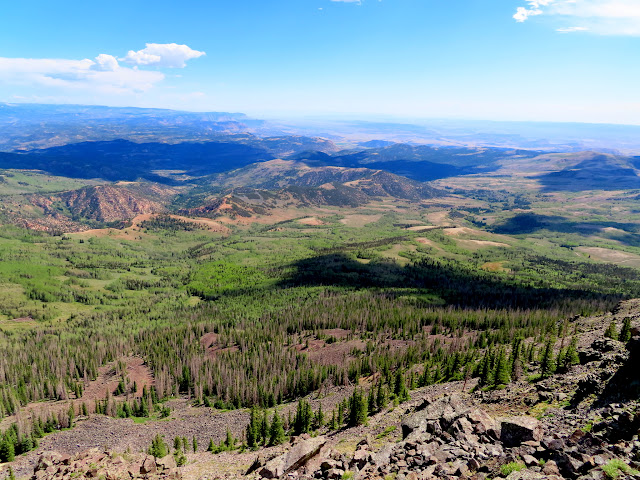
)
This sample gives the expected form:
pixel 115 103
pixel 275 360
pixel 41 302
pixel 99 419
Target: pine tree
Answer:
pixel 302 420
pixel 625 333
pixel 572 357
pixel 612 331
pixel 515 360
pixel 371 401
pixel 381 397
pixel 276 432
pixel 357 409
pixel 229 441
pixel 253 432
pixel 158 447
pixel 264 429
pixel 194 443
pixel 72 413
pixel 212 446
pixel 333 424
pixel 425 378
pixel 502 370
pixel 7 450
pixel 400 387
pixel 319 418
pixel 548 367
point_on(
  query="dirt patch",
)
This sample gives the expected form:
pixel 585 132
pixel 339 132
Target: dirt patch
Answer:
pixel 611 256
pixel 311 221
pixel 494 267
pixel 334 353
pixel 359 220
pixel 339 333
pixel 429 243
pixel 439 218
pixel 457 231
pixel 475 244
pixel 209 342
pixel 108 378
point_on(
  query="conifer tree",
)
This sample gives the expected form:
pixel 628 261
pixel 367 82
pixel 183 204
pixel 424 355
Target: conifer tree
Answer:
pixel 625 333
pixel 612 331
pixel 7 450
pixel 264 429
pixel 502 371
pixel 71 412
pixel 253 429
pixel 425 378
pixel 381 397
pixel 371 401
pixel 319 418
pixel 212 446
pixel 333 424
pixel 158 448
pixel 357 409
pixel 276 433
pixel 194 444
pixel 229 441
pixel 548 367
pixel 400 387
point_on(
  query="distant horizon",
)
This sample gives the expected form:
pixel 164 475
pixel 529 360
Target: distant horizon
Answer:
pixel 335 116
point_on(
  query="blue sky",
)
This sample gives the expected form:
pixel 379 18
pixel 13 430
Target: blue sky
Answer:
pixel 556 60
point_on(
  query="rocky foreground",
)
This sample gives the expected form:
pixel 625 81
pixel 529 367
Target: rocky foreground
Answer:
pixel 583 424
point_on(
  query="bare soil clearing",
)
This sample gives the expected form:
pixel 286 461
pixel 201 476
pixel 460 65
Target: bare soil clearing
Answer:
pixel 612 256
pixel 359 220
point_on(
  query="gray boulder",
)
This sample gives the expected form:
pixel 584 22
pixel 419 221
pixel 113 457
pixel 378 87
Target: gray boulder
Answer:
pixel 516 430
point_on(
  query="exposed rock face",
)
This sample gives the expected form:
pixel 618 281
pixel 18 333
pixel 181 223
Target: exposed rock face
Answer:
pixel 294 459
pixel 517 430
pixel 108 204
pixel 97 464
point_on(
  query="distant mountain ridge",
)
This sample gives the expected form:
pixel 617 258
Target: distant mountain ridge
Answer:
pixel 126 160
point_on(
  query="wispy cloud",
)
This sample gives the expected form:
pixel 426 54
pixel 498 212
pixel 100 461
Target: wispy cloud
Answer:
pixel 572 29
pixel 603 17
pixel 104 74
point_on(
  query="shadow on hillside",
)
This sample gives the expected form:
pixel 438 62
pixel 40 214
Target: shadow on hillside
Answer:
pixel 597 173
pixel 527 223
pixel 625 383
pixel 457 286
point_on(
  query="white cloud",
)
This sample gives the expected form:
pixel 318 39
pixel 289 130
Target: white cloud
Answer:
pixel 105 63
pixel 572 29
pixel 523 13
pixel 168 55
pixel 103 75
pixel 604 17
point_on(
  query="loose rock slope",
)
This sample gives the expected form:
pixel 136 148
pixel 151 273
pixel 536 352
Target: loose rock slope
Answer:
pixel 580 425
